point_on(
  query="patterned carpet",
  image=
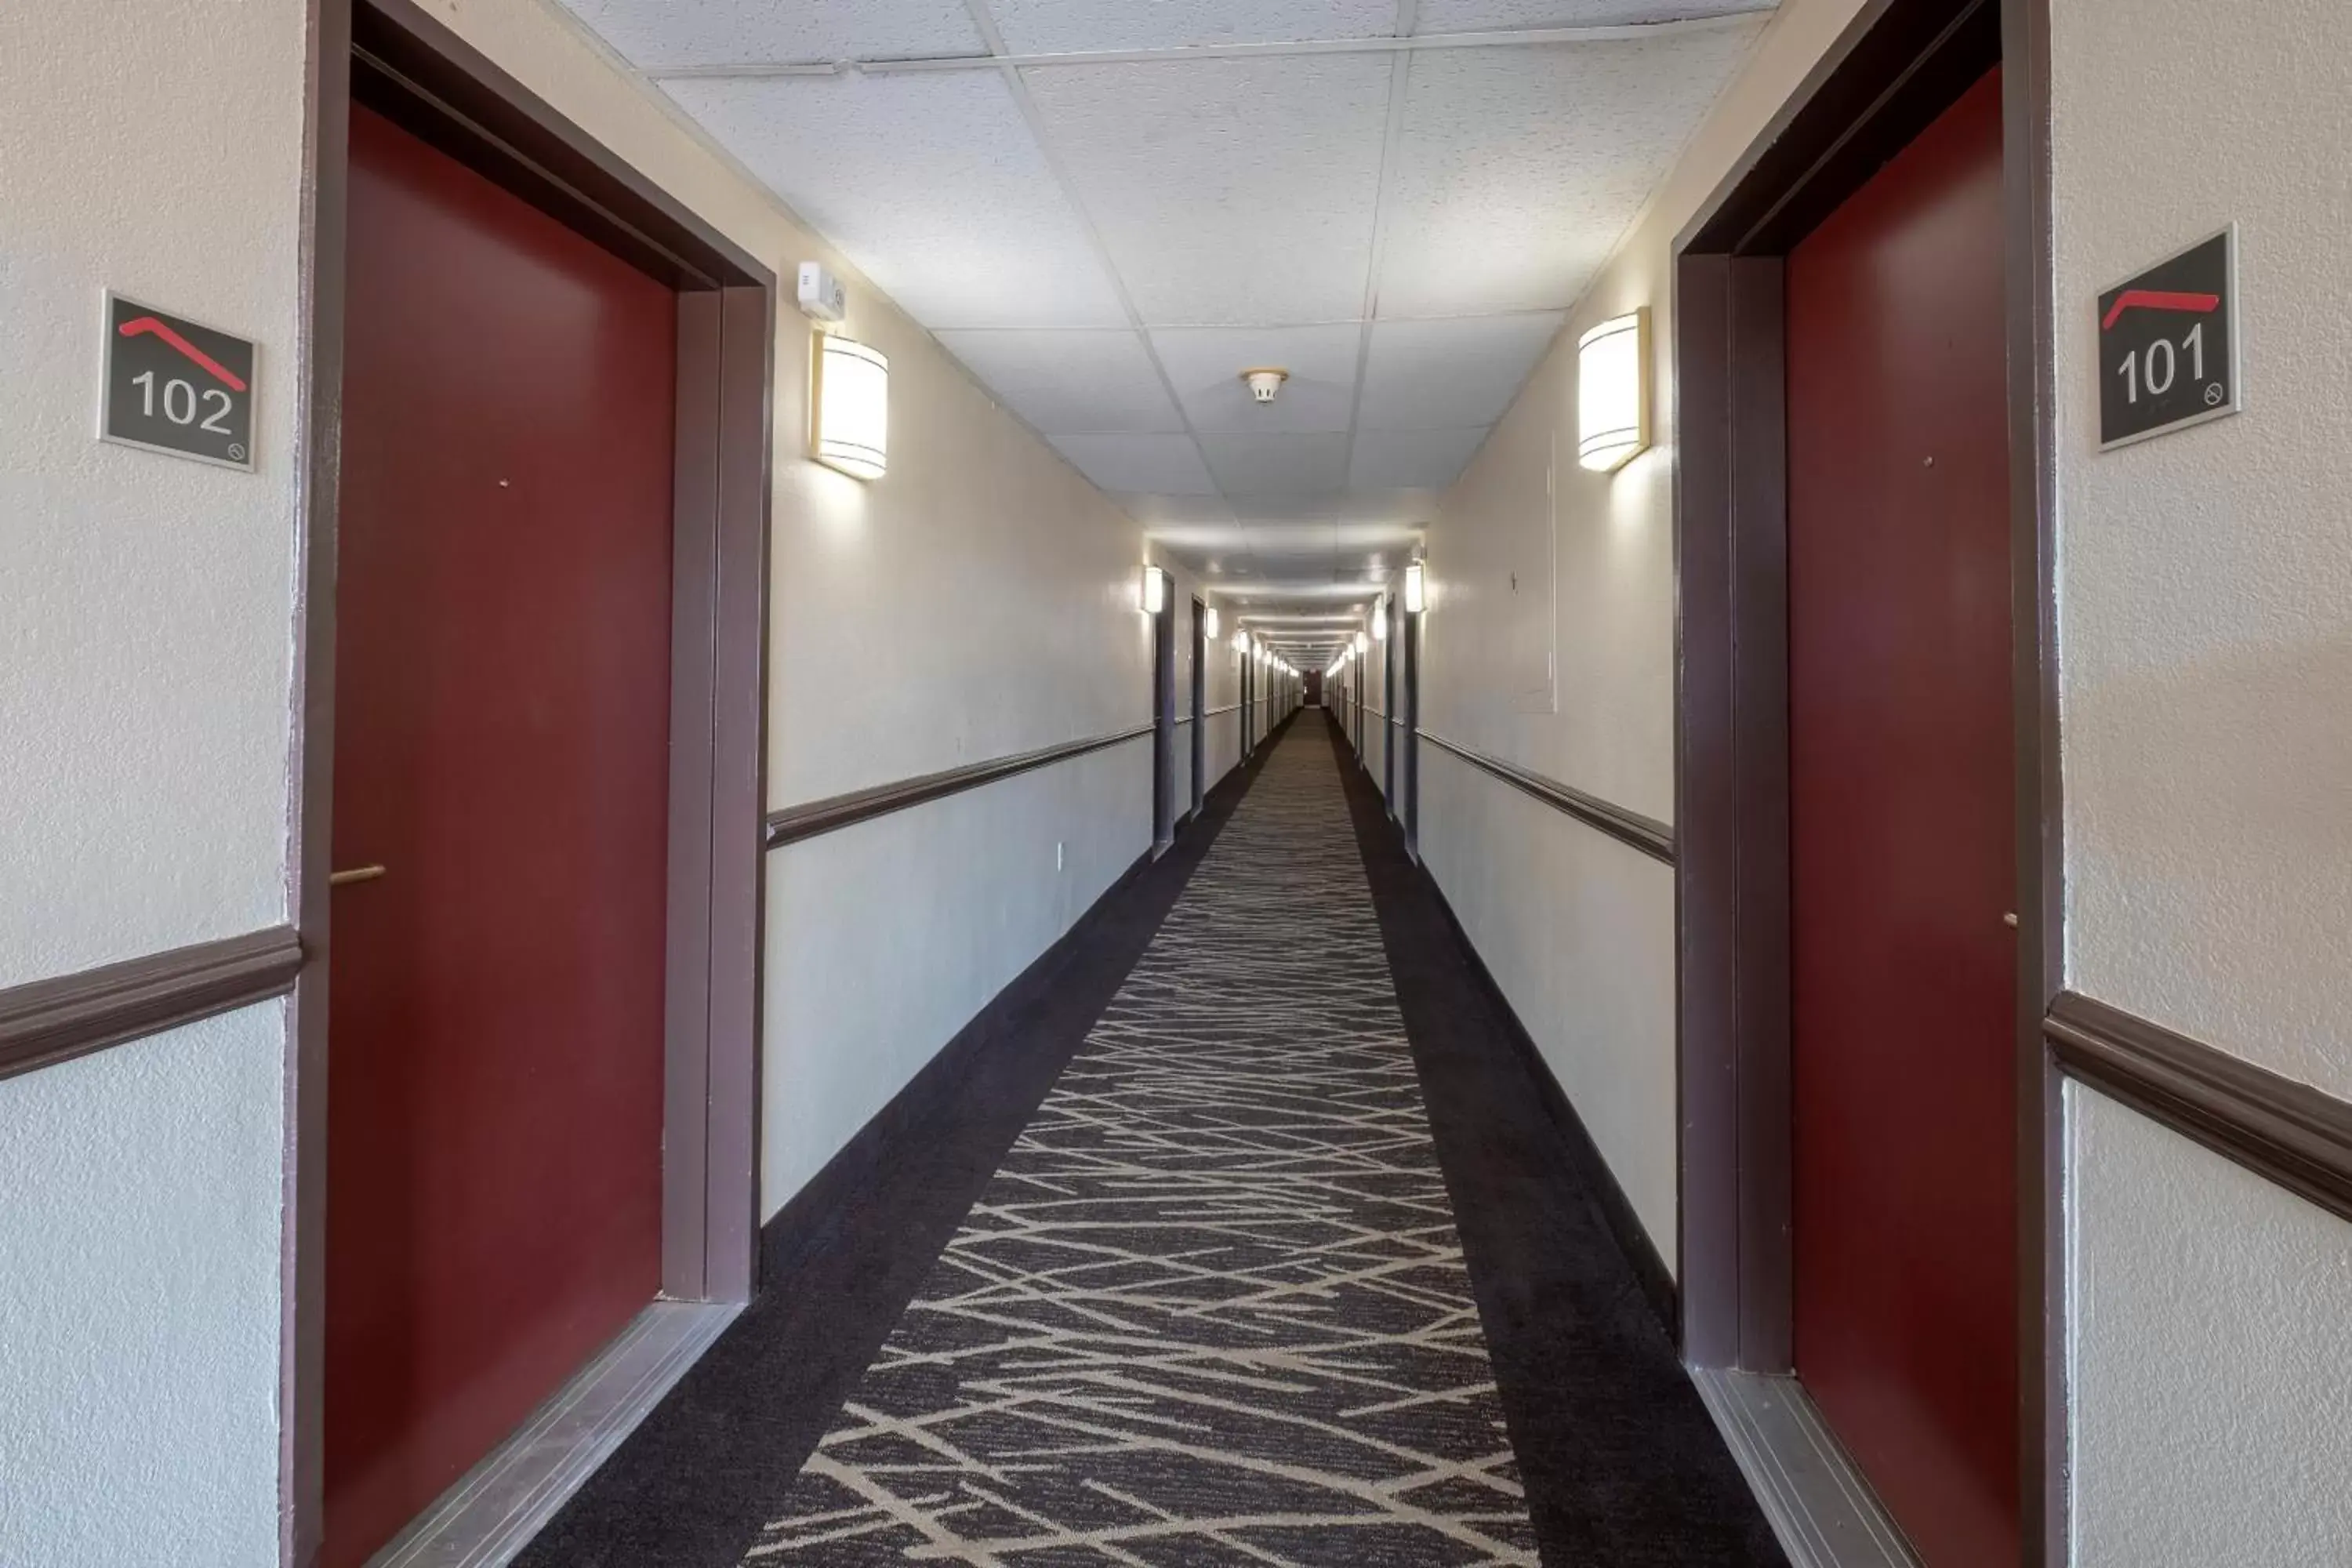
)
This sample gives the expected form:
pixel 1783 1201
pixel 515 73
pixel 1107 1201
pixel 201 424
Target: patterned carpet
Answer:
pixel 1212 1309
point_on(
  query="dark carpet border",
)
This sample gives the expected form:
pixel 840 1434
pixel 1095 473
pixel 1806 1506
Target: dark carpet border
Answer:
pixel 692 1486
pixel 1621 1463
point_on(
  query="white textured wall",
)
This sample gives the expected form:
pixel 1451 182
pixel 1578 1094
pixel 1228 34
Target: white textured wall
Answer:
pixel 145 649
pixel 139 1301
pixel 2212 1383
pixel 2205 640
pixel 1577 928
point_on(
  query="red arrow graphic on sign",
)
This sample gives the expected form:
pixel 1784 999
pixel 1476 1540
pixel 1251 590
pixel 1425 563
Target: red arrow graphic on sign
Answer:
pixel 220 372
pixel 2159 300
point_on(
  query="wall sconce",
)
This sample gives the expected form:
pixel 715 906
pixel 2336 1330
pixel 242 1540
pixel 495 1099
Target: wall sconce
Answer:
pixel 1153 594
pixel 1380 620
pixel 1612 393
pixel 851 403
pixel 1209 622
pixel 1416 588
pixel 1241 642
pixel 1363 643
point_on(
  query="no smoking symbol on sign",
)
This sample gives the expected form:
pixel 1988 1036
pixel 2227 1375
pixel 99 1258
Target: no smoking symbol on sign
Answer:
pixel 175 385
pixel 2169 345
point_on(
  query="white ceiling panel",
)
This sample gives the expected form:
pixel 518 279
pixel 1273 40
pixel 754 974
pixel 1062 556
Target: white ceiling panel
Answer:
pixel 929 181
pixel 1399 457
pixel 657 34
pixel 1403 507
pixel 1519 168
pixel 1169 464
pixel 1205 364
pixel 1249 466
pixel 1070 383
pixel 1228 191
pixel 1498 15
pixel 1439 375
pixel 1052 26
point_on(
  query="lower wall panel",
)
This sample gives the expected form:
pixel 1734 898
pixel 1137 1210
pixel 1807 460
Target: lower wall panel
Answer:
pixel 140 1201
pixel 2212 1355
pixel 1578 930
pixel 884 939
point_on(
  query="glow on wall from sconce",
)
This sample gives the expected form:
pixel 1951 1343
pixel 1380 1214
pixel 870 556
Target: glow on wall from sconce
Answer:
pixel 1612 393
pixel 1153 593
pixel 850 408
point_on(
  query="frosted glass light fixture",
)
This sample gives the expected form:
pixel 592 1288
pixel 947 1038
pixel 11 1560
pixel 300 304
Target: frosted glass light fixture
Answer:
pixel 1209 623
pixel 1612 393
pixel 852 404
pixel 1241 642
pixel 1416 588
pixel 1380 620
pixel 1363 643
pixel 1154 591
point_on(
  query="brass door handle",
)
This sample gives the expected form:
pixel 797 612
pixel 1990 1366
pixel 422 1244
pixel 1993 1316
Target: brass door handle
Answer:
pixel 356 874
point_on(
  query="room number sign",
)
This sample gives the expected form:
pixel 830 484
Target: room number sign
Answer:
pixel 2169 345
pixel 174 385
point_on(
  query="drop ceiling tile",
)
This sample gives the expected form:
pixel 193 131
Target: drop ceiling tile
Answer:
pixel 1518 169
pixel 1277 465
pixel 1497 15
pixel 1169 464
pixel 1205 364
pixel 1070 383
pixel 1406 507
pixel 1431 375
pixel 930 182
pixel 657 34
pixel 1228 191
pixel 1050 26
pixel 1434 458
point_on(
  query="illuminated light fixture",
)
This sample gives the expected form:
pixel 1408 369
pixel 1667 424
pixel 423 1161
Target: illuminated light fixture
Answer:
pixel 1612 393
pixel 1416 588
pixel 852 404
pixel 1363 643
pixel 1209 623
pixel 1153 593
pixel 1241 642
pixel 1380 620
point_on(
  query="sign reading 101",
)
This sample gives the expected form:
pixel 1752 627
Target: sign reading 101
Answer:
pixel 174 385
pixel 2169 345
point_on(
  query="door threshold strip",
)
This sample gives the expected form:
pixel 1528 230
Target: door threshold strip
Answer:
pixel 493 1510
pixel 1822 1507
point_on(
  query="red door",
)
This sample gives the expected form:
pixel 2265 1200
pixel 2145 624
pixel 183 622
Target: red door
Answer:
pixel 501 726
pixel 1903 836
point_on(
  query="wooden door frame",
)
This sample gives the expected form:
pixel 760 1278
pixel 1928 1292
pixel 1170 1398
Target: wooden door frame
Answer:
pixel 395 58
pixel 1897 65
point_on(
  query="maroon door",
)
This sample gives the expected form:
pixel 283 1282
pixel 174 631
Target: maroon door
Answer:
pixel 1903 839
pixel 502 722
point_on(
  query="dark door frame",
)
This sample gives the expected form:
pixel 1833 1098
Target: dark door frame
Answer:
pixel 1163 726
pixel 1200 702
pixel 1409 814
pixel 1389 612
pixel 397 59
pixel 1897 65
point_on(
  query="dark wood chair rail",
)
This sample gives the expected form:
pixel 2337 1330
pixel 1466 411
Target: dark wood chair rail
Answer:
pixel 1648 835
pixel 795 823
pixel 51 1021
pixel 2288 1133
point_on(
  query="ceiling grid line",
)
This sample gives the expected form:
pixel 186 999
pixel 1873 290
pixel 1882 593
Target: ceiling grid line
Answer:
pixel 1408 14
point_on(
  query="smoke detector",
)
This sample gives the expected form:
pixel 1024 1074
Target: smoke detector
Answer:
pixel 1265 383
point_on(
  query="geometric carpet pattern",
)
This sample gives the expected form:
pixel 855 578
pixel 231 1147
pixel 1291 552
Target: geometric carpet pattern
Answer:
pixel 1211 1309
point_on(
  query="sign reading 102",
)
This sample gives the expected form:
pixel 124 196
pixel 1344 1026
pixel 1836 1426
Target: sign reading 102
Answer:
pixel 175 385
pixel 2168 345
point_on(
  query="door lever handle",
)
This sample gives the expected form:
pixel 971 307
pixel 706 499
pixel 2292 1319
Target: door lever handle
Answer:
pixel 356 874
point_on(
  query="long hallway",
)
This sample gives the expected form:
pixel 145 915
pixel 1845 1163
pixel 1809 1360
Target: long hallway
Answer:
pixel 1214 1304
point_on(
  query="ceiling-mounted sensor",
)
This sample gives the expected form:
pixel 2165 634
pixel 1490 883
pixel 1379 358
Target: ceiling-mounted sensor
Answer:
pixel 821 297
pixel 1265 383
